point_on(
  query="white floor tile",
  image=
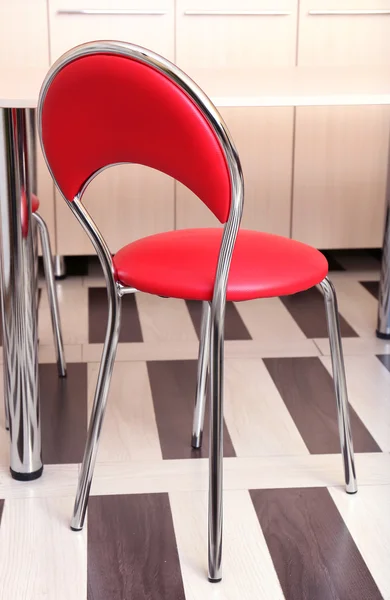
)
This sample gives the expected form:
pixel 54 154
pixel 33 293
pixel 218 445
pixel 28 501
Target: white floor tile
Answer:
pixel 257 418
pixel 368 383
pixel 40 557
pixel 248 570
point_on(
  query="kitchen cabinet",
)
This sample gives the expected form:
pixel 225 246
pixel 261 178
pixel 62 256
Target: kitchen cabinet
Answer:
pixel 235 33
pixel 149 23
pixel 344 33
pixel 340 175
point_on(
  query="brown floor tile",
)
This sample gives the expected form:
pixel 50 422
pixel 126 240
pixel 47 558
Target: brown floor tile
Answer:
pixel 173 386
pixel 307 390
pixel 308 310
pixel 63 413
pixel 313 552
pixel 132 550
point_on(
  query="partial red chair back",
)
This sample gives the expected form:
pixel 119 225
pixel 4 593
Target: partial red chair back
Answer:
pixel 108 108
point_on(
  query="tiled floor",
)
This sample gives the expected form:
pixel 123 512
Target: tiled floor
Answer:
pixel 291 532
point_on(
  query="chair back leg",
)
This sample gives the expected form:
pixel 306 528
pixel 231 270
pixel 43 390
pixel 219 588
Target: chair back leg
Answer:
pixel 340 385
pixel 98 410
pixel 52 293
pixel 216 448
pixel 201 382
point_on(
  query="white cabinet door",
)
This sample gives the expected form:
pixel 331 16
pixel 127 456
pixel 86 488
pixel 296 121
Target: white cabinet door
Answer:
pixel 344 33
pixel 235 34
pixel 149 23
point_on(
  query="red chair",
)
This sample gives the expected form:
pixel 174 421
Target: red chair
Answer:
pixel 105 103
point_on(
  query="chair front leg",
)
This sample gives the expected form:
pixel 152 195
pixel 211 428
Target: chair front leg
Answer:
pixel 52 293
pixel 201 382
pixel 340 385
pixel 216 449
pixel 99 406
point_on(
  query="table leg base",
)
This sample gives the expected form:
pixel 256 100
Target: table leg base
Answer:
pixel 382 336
pixel 26 476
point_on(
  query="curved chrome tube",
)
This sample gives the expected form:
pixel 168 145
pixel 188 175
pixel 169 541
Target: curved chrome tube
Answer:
pixel 106 366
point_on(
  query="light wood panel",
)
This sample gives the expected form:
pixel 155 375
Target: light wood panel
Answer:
pixel 155 31
pixel 264 139
pixel 126 202
pixel 340 175
pixel 232 38
pixel 266 472
pixel 34 532
pixel 248 571
pixel 344 40
pixel 24 35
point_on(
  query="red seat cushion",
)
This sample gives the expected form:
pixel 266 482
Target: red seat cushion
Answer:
pixel 182 264
pixel 34 203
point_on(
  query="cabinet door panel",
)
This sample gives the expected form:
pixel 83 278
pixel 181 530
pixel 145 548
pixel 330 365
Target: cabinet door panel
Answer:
pixel 24 35
pixel 340 175
pixel 149 23
pixel 235 33
pixel 344 33
pixel 126 202
pixel 264 138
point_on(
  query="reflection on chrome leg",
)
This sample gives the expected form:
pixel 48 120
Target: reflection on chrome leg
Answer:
pixel 201 382
pixel 52 294
pixel 340 385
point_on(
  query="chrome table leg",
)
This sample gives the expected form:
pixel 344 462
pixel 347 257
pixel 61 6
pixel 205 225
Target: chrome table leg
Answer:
pixel 18 283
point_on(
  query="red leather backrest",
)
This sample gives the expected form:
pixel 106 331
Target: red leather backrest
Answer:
pixel 103 109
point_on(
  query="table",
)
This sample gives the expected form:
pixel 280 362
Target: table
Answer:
pixel 19 89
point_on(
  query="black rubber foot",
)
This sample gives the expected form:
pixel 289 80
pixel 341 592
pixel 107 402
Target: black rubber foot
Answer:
pixel 27 476
pixel 215 580
pixel 382 336
pixel 195 443
pixel 74 528
pixel 7 428
pixel 59 277
pixel 352 493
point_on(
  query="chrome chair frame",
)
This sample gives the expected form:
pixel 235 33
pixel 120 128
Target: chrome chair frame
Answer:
pixel 47 258
pixel 115 290
pixel 339 380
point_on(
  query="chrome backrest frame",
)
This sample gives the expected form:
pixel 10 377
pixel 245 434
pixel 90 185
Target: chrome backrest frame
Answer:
pixel 216 122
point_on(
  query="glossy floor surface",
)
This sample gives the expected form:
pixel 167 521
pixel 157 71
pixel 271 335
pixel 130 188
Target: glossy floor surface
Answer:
pixel 291 532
